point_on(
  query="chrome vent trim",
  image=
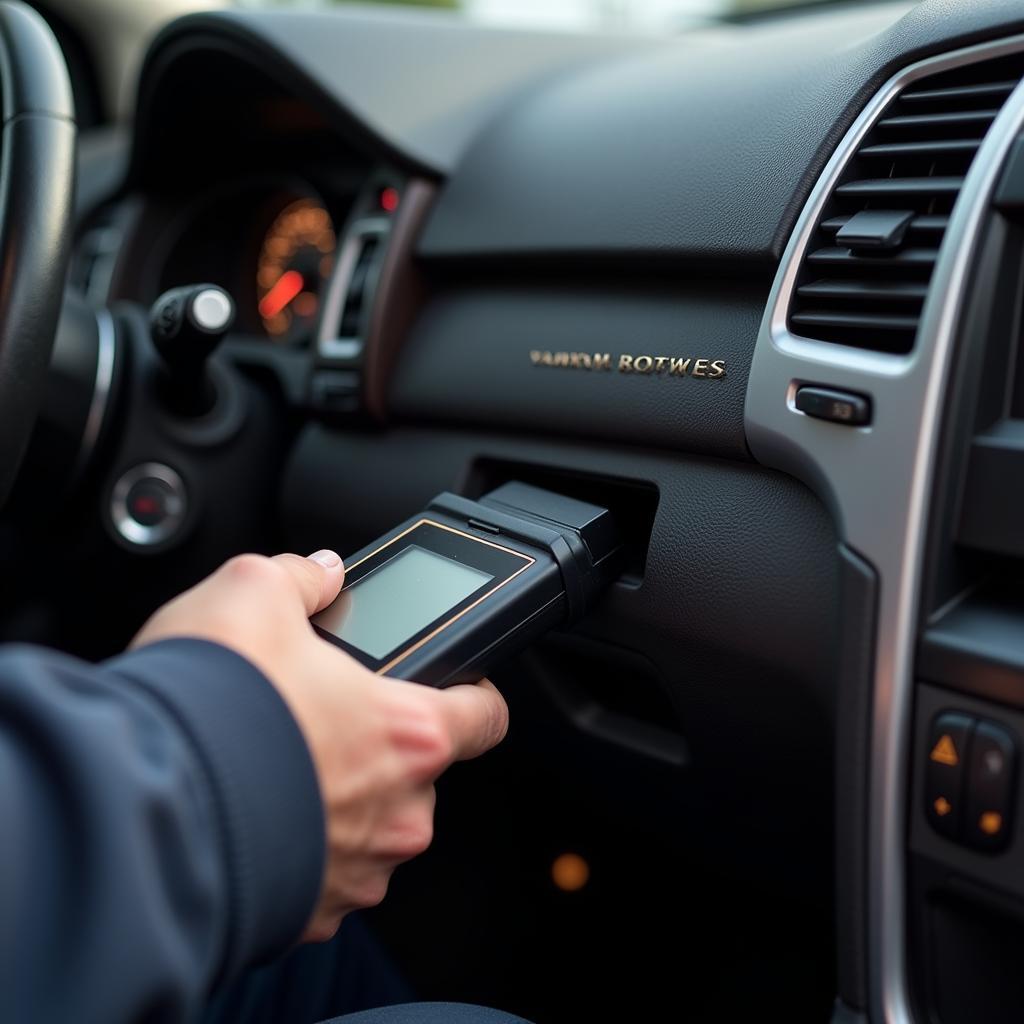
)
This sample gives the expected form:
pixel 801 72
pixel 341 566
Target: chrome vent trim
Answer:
pixel 333 340
pixel 877 479
pixel 864 276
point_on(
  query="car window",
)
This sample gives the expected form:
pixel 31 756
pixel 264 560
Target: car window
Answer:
pixel 601 14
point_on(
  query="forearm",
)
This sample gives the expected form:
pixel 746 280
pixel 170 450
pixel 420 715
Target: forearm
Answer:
pixel 161 828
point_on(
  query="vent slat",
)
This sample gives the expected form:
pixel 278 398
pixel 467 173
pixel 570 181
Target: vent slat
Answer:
pixel 986 90
pixel 869 187
pixel 861 321
pixel 879 291
pixel 947 119
pixel 937 147
pixel 927 223
pixel 836 257
pixel 930 222
pixel 907 172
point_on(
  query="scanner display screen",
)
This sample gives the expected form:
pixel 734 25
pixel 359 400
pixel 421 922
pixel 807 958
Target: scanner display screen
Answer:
pixel 387 608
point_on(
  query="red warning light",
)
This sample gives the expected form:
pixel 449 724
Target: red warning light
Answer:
pixel 389 199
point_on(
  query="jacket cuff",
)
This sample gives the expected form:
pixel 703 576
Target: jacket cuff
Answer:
pixel 263 783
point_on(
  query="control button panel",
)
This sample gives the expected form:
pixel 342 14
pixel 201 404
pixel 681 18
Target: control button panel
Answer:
pixel 969 780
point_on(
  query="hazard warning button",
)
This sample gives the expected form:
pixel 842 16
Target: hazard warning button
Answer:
pixel 944 776
pixel 945 752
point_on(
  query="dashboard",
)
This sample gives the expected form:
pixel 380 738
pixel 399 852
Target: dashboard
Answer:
pixel 736 285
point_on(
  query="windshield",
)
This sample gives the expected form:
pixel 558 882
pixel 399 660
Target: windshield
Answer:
pixel 600 14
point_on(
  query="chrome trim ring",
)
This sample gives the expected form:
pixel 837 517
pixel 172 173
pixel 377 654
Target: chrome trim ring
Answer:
pixel 127 526
pixel 877 480
pixel 106 351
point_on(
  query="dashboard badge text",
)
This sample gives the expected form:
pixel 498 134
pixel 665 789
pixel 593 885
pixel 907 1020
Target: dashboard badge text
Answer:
pixel 666 366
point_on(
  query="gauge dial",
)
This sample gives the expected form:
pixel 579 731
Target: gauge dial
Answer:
pixel 294 264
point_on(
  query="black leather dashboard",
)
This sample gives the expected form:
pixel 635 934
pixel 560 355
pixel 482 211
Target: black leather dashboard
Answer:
pixel 700 150
pixel 601 195
pixel 471 359
pixel 696 147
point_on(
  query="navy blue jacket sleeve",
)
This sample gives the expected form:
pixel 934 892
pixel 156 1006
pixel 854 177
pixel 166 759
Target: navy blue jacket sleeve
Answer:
pixel 160 828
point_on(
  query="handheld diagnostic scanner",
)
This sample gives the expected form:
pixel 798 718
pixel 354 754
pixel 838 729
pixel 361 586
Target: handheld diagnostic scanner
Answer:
pixel 452 592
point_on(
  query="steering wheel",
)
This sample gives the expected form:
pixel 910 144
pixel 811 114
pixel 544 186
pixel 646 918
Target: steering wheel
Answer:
pixel 37 174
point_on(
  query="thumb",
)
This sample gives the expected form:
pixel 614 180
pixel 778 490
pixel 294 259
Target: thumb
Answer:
pixel 317 579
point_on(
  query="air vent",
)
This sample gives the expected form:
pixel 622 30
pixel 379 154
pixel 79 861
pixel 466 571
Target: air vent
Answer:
pixel 866 271
pixel 350 293
pixel 354 305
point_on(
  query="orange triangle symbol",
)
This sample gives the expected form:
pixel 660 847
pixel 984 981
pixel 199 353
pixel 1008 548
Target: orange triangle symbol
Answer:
pixel 945 751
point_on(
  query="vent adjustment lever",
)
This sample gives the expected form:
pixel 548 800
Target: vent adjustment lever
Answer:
pixel 875 230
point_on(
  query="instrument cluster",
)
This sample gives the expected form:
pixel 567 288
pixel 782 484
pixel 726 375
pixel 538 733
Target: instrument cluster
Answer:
pixel 271 245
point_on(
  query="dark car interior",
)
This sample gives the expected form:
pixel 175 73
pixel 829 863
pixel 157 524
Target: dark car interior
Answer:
pixel 757 288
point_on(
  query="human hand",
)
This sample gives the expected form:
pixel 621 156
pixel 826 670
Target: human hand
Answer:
pixel 378 744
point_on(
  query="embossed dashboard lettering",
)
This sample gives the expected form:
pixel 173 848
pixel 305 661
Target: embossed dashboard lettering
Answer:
pixel 645 365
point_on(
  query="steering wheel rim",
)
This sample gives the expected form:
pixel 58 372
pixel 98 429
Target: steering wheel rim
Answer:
pixel 37 173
